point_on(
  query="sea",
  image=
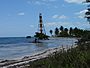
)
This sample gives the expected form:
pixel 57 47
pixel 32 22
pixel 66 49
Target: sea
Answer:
pixel 17 47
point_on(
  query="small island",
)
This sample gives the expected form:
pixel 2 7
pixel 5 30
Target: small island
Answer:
pixel 28 37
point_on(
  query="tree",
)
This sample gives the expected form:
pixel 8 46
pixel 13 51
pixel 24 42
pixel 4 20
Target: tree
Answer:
pixel 61 28
pixel 76 31
pixel 56 31
pixel 61 31
pixel 70 31
pixel 41 36
pixel 51 32
pixel 66 31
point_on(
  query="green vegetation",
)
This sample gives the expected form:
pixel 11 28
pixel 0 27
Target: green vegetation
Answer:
pixel 51 32
pixel 74 58
pixel 71 32
pixel 41 36
pixel 78 57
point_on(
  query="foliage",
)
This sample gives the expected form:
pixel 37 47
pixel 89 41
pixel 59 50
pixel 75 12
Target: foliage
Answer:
pixel 41 36
pixel 51 32
pixel 61 28
pixel 72 32
pixel 56 31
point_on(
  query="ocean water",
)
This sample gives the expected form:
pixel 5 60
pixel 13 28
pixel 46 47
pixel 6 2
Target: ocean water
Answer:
pixel 16 47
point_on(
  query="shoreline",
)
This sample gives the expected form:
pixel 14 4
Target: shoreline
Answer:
pixel 30 58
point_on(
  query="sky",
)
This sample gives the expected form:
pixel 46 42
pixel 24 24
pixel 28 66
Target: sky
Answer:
pixel 19 18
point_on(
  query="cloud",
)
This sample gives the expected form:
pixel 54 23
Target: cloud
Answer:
pixel 83 25
pixel 59 16
pixel 75 1
pixel 55 16
pixel 21 13
pixel 51 24
pixel 62 17
pixel 57 24
pixel 40 2
pixel 81 14
pixel 32 26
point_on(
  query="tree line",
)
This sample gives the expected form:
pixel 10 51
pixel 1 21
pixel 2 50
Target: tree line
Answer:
pixel 71 32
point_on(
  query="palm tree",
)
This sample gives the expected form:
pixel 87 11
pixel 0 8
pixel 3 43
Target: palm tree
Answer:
pixel 61 28
pixel 76 31
pixel 56 31
pixel 70 31
pixel 51 32
pixel 66 31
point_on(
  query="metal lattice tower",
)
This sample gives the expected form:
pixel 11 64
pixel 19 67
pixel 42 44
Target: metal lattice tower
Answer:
pixel 41 25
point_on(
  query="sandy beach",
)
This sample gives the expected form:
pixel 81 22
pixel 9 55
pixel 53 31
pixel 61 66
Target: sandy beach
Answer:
pixel 24 61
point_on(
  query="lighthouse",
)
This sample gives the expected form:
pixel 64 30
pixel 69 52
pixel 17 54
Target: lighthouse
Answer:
pixel 41 25
pixel 41 34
